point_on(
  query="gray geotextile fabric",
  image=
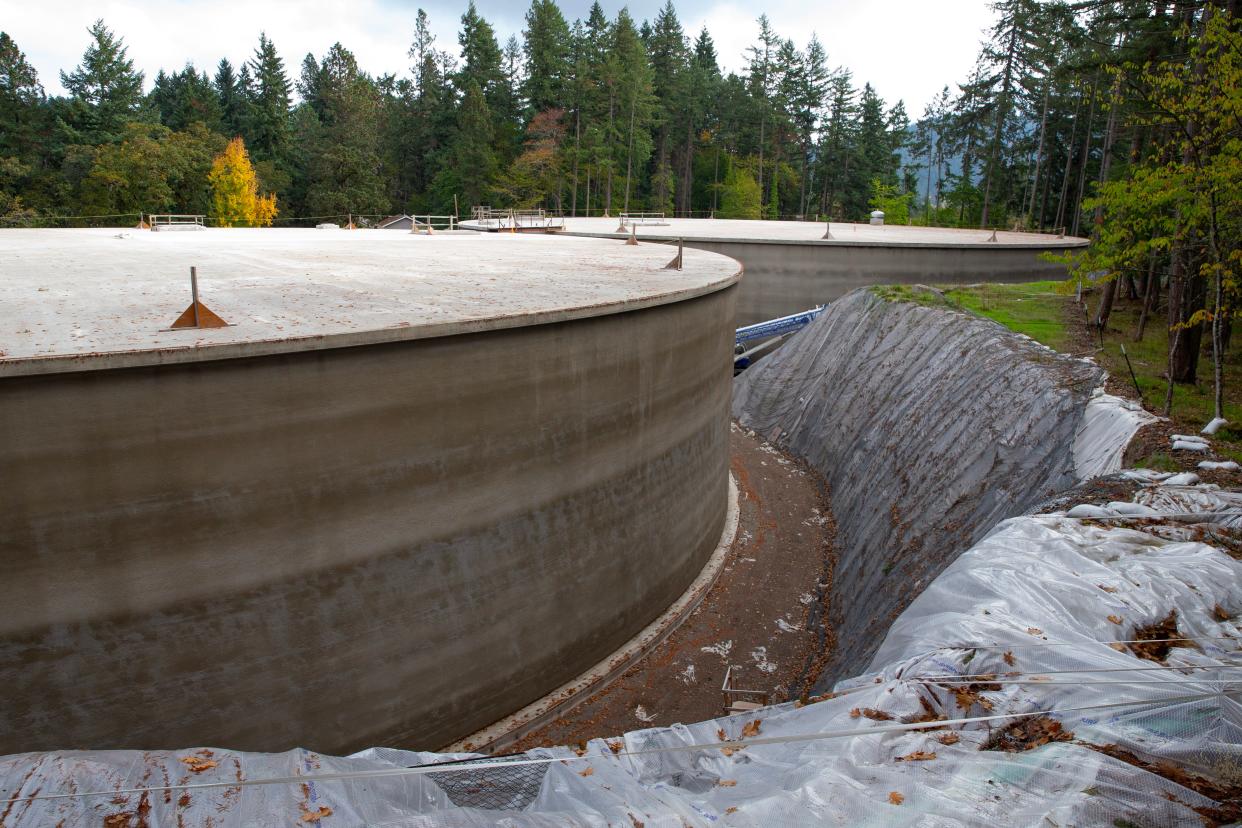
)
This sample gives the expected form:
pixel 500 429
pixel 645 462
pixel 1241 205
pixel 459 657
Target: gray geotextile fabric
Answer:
pixel 931 425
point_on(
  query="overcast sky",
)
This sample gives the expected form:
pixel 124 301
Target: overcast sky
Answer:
pixel 906 49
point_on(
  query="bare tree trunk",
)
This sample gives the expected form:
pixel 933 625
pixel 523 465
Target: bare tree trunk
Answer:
pixel 573 199
pixel 687 185
pixel 927 195
pixel 715 182
pixel 763 122
pixel 1218 351
pixel 1186 354
pixel 1069 163
pixel 1110 133
pixel 1084 158
pixel 1002 104
pixel 629 157
pixel 1168 390
pixel 1039 158
pixel 1150 293
pixel 612 155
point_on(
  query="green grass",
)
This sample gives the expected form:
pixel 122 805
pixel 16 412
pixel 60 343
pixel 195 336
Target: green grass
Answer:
pixel 1193 405
pixel 1036 309
pixel 1159 461
pixel 1048 312
pixel 915 294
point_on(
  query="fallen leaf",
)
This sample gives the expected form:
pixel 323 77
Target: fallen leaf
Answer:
pixel 197 764
pixel 731 810
pixel 1107 588
pixel 311 816
pixel 586 772
pixel 1034 631
pixel 949 738
pixel 751 729
pixel 616 746
pixel 727 783
pixel 1008 656
pixel 917 756
pixel 720 734
pixel 871 713
pixel 1116 619
pixel 1026 734
pixel 895 798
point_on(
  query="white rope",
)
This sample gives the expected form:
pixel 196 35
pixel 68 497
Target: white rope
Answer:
pixel 1038 683
pixel 451 767
pixel 975 678
pixel 1027 646
pixel 1156 516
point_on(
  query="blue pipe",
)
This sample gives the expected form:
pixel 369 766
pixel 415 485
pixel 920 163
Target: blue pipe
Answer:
pixel 777 327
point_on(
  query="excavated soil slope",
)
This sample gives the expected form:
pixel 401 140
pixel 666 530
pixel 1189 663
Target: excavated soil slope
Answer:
pixel 930 425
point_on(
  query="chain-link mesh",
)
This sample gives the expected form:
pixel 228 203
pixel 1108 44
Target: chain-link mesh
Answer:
pixel 507 787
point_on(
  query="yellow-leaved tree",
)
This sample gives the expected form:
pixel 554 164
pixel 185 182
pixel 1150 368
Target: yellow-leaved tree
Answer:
pixel 235 195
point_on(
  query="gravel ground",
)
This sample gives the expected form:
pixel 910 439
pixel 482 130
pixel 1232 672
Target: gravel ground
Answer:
pixel 763 615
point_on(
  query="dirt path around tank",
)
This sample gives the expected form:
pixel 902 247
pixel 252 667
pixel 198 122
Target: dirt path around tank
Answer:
pixel 764 615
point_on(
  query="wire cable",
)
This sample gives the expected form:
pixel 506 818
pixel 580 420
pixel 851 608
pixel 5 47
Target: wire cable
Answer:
pixel 458 765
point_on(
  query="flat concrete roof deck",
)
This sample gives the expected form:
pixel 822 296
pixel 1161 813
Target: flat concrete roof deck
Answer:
pixel 73 300
pixel 801 232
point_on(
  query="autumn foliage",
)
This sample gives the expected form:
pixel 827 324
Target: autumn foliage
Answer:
pixel 235 198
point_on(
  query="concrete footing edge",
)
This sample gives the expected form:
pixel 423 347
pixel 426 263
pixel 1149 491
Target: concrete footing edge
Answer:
pixel 513 727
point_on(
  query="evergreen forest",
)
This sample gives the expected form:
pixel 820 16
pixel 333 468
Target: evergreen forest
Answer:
pixel 608 115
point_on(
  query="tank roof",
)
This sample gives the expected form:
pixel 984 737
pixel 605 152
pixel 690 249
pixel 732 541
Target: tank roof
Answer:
pixel 802 232
pixel 84 299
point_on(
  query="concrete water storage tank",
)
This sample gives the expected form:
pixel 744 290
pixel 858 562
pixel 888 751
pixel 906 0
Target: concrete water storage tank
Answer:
pixel 791 266
pixel 415 484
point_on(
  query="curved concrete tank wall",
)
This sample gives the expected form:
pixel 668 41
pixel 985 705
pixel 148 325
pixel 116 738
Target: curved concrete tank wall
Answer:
pixel 394 543
pixel 784 278
pixel 790 267
pixel 931 425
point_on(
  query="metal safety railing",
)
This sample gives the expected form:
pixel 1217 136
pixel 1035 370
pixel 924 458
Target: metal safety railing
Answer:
pixel 737 700
pixel 427 223
pixel 174 219
pixel 643 218
pixel 513 219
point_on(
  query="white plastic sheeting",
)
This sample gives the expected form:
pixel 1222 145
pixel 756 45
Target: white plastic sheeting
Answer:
pixel 931 425
pixel 1108 423
pixel 1036 603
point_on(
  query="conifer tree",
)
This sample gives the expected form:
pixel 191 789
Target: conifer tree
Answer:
pixel 21 95
pixel 670 61
pixel 342 162
pixel 432 119
pixel 186 97
pixel 546 46
pixel 232 92
pixel 630 81
pixel 268 135
pixel 105 88
pixel 469 166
